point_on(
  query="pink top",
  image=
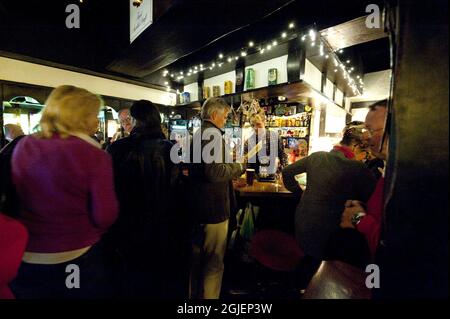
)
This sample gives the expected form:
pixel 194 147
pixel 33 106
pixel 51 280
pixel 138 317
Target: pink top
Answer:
pixel 66 192
pixel 13 239
pixel 370 225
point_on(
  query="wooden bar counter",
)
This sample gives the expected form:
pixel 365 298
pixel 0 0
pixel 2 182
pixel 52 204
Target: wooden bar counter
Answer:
pixel 276 203
pixel 261 189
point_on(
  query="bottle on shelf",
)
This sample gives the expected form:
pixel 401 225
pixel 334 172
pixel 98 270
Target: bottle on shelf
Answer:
pixel 272 76
pixel 250 79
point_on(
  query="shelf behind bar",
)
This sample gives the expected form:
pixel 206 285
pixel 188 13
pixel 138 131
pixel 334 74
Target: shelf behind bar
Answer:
pixel 298 91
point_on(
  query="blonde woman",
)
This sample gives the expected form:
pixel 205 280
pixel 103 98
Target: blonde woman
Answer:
pixel 64 184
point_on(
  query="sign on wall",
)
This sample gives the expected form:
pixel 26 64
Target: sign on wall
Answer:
pixel 140 17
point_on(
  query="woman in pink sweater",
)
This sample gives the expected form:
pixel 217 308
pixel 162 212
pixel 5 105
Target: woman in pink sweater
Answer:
pixel 65 188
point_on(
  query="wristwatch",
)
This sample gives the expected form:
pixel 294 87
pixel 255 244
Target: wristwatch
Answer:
pixel 356 218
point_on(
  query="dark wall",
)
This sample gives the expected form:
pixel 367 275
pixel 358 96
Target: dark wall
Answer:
pixel 414 259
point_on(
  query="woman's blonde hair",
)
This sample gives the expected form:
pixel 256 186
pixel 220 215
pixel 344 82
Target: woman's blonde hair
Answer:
pixel 66 111
pixel 257 118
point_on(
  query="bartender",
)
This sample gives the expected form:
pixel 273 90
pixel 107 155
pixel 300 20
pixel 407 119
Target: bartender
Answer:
pixel 265 162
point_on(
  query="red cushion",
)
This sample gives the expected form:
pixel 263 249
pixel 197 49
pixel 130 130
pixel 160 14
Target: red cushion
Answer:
pixel 13 240
pixel 276 250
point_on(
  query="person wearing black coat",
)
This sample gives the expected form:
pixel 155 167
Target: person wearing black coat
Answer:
pixel 146 234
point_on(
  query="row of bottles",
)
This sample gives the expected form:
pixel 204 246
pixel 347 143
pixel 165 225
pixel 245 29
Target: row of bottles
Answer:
pixel 292 132
pixel 299 120
pixel 216 90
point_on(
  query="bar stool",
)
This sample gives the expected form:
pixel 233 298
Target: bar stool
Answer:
pixel 277 255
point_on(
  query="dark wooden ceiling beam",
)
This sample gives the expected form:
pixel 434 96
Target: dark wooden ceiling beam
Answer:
pixel 351 33
pixel 185 28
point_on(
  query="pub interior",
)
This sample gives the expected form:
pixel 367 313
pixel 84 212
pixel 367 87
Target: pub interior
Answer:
pixel 329 179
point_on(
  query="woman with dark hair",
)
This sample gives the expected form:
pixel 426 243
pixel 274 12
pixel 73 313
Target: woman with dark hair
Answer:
pixel 144 231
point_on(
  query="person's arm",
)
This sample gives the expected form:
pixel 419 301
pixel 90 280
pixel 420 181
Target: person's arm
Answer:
pixel 222 172
pixel 218 170
pixel 290 171
pixel 104 206
pixel 369 225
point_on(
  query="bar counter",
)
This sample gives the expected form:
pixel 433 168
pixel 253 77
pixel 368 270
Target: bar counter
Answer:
pixel 261 189
pixel 276 203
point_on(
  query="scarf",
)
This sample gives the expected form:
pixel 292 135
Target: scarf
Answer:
pixel 348 153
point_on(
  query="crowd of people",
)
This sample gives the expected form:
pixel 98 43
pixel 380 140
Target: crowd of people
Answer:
pixel 137 227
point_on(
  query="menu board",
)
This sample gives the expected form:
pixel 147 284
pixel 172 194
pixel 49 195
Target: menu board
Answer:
pixel 140 17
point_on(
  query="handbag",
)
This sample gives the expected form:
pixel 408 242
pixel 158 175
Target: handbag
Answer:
pixel 245 228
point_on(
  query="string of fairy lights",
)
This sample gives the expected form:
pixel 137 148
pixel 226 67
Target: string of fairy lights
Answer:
pixel 312 36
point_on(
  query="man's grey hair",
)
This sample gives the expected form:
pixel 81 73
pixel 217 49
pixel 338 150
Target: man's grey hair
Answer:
pixel 212 105
pixel 124 109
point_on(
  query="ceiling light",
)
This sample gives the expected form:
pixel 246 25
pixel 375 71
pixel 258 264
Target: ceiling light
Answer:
pixel 312 35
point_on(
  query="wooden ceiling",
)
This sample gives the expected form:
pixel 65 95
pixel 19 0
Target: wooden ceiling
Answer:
pixel 183 32
pixel 351 33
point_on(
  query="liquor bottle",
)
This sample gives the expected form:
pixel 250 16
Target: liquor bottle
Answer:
pixel 272 76
pixel 249 79
pixel 228 87
pixel 206 92
pixel 216 90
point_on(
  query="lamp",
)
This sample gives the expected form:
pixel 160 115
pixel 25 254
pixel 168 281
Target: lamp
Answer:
pixel 137 3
